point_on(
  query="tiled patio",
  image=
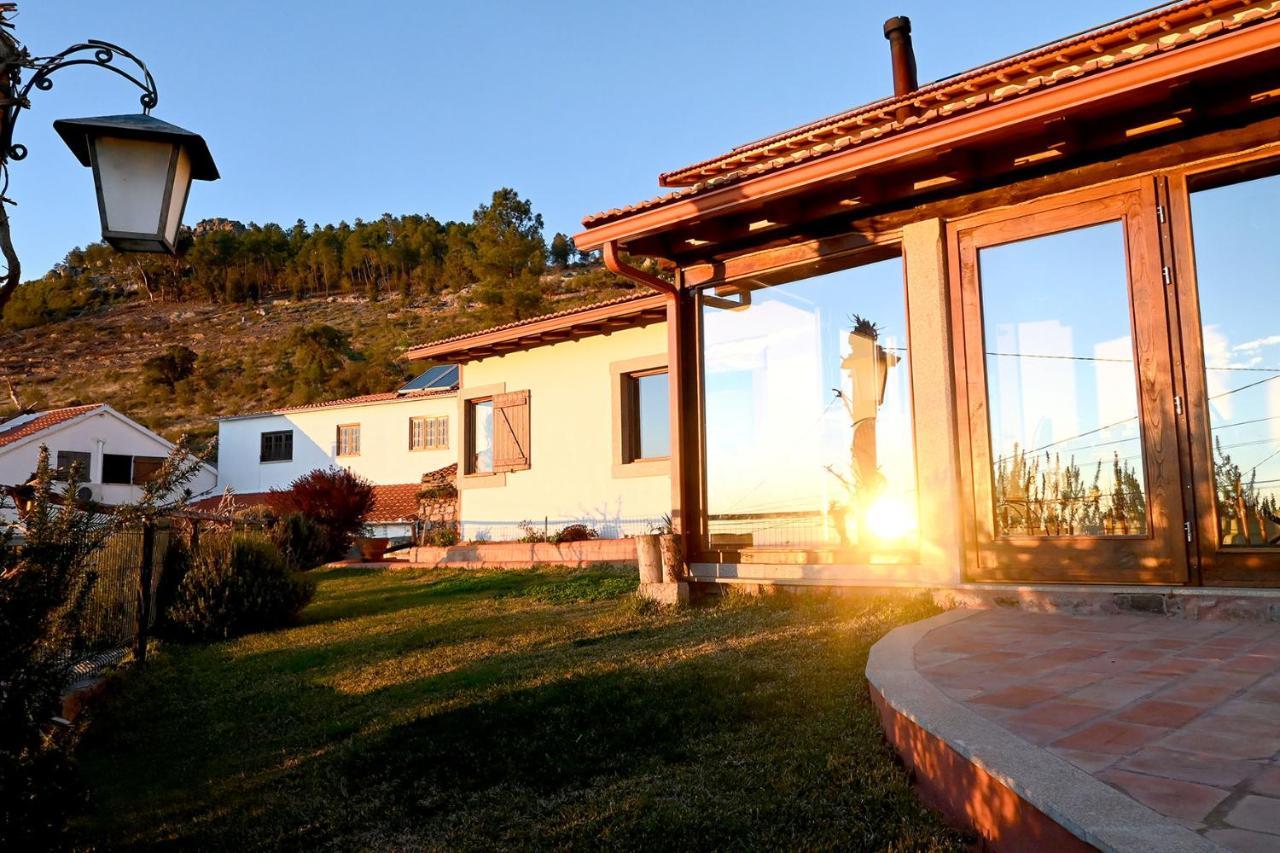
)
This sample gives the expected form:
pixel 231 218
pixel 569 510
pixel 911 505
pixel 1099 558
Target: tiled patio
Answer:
pixel 1183 716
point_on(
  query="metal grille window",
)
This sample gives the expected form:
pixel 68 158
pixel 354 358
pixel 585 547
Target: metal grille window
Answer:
pixel 349 440
pixel 277 446
pixel 429 433
pixel 67 458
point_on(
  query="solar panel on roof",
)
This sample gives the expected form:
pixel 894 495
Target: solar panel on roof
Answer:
pixel 440 376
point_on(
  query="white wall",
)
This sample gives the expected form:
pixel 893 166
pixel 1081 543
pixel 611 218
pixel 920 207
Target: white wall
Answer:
pixel 98 432
pixel 384 458
pixel 571 438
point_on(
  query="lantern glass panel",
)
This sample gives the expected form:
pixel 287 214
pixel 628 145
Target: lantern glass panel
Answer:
pixel 133 177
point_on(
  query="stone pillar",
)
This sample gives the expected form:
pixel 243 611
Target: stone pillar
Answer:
pixel 933 385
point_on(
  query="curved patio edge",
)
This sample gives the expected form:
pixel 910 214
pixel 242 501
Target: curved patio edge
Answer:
pixel 1014 794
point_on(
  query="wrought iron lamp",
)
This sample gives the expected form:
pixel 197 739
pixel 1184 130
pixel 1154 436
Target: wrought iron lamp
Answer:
pixel 142 167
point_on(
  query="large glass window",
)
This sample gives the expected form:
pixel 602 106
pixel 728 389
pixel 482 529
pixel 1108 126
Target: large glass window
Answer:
pixel 1238 276
pixel 809 440
pixel 1066 441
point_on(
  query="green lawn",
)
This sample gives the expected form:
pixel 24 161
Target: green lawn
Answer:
pixel 544 708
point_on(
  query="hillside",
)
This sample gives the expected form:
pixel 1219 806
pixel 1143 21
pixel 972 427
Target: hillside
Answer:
pixel 243 359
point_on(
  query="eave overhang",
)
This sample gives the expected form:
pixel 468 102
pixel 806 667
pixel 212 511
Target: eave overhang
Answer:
pixel 1153 94
pixel 541 331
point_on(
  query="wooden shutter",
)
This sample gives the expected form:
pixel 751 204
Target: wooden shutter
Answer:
pixel 511 431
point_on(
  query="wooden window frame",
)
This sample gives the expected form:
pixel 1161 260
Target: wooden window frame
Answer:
pixel 1216 565
pixel 467 398
pixel 265 440
pixel 512 432
pixel 62 472
pixel 1159 555
pixel 624 411
pixel 338 445
pixel 426 422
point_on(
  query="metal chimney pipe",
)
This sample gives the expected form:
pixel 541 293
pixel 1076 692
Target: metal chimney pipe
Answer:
pixel 898 32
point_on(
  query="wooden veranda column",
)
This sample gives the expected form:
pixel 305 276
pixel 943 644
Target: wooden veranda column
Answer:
pixel 682 366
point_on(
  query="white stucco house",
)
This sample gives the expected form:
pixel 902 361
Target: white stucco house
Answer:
pixel 116 455
pixel 391 439
pixel 557 420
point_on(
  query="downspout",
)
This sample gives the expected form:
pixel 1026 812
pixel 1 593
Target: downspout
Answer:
pixel 675 387
pixel 614 263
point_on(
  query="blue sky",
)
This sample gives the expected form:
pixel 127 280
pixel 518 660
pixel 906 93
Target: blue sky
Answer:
pixel 326 111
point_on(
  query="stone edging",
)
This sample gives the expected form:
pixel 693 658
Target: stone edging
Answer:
pixel 1089 809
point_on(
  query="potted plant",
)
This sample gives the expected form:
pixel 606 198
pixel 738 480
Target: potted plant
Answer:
pixel 658 554
pixel 372 548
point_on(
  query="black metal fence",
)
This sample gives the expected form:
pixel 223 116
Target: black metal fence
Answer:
pixel 119 611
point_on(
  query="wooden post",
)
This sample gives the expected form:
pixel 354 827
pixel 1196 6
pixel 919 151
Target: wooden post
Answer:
pixel 144 592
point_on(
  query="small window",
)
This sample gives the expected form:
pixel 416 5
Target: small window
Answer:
pixel 117 469
pixel 68 458
pixel 277 446
pixel 145 468
pixel 429 433
pixel 646 425
pixel 349 440
pixel 480 437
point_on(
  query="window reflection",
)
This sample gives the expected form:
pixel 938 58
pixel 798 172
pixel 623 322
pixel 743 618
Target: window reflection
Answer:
pixel 808 416
pixel 1066 438
pixel 1238 276
pixel 482 437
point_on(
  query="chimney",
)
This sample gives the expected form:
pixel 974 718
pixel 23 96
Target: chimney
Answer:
pixel 898 32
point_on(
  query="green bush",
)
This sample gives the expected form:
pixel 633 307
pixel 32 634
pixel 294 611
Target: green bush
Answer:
pixel 302 542
pixel 440 535
pixel 237 584
pixel 574 533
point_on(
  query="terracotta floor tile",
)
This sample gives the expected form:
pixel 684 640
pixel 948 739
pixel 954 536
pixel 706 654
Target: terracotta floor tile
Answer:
pixel 1174 666
pixel 1116 692
pixel 1253 663
pixel 1267 783
pixel 1089 762
pixel 1243 841
pixel 1160 712
pixel 1195 693
pixel 1227 744
pixel 1015 697
pixel 1111 736
pixel 1060 714
pixel 1205 768
pixel 1182 800
pixel 1260 814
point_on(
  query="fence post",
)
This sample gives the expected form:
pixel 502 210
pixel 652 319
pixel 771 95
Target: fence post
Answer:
pixel 144 591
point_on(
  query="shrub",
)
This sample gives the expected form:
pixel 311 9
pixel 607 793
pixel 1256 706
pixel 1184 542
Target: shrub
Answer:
pixel 440 535
pixel 237 584
pixel 302 542
pixel 531 535
pixel 575 533
pixel 333 498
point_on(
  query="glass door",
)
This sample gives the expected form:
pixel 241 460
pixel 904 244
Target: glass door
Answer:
pixel 1074 466
pixel 1229 280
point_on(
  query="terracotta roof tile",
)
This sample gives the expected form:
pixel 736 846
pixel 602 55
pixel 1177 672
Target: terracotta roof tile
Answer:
pixel 43 421
pixel 397 502
pixel 620 300
pixel 380 397
pixel 1094 51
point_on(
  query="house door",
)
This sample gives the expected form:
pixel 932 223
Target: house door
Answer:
pixel 1223 226
pixel 1068 381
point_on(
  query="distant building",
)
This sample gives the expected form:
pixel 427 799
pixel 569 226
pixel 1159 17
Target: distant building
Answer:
pixel 116 455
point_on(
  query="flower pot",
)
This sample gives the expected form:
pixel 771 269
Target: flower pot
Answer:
pixel 371 548
pixel 649 557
